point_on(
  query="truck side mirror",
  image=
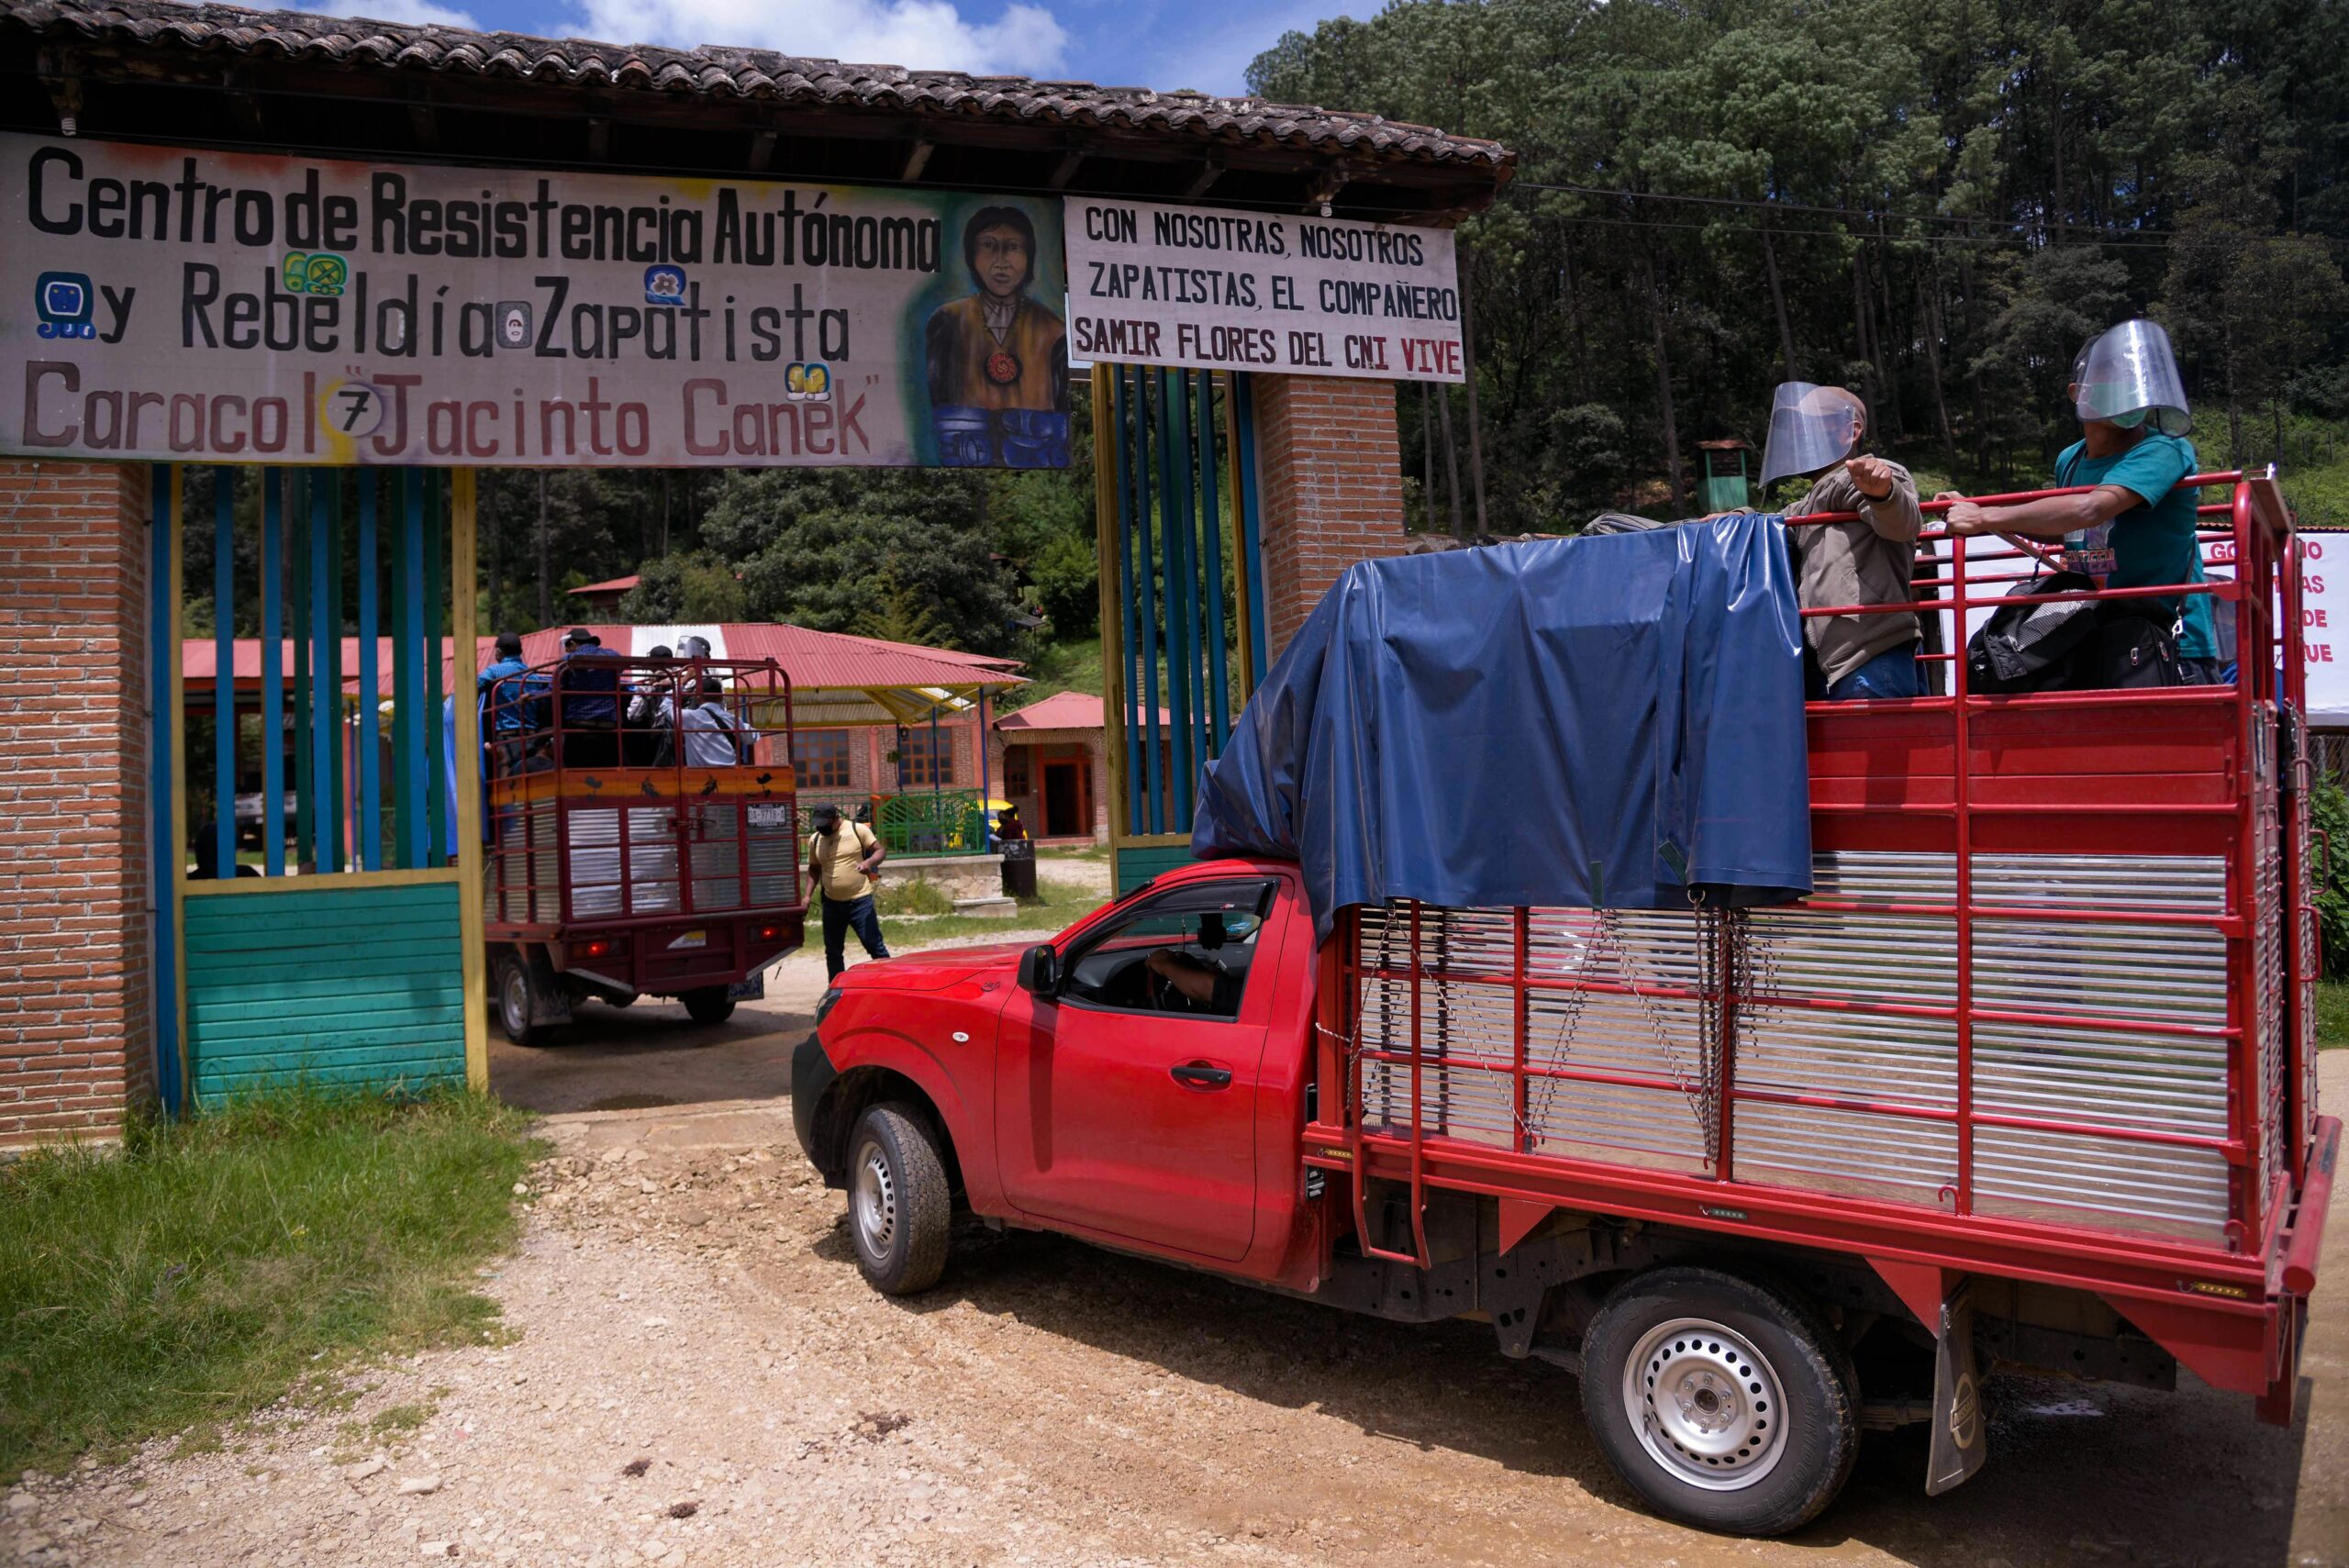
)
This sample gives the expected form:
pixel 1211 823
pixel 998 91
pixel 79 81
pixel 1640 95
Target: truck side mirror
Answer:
pixel 1039 969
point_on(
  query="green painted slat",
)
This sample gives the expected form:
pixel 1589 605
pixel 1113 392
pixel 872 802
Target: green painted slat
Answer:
pixel 408 943
pixel 278 1004
pixel 314 977
pixel 226 938
pixel 296 911
pixel 373 1074
pixel 405 1044
pixel 1136 866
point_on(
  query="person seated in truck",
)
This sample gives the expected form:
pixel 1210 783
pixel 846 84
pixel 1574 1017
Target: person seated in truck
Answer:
pixel 589 685
pixel 1202 981
pixel 505 710
pixel 1816 432
pixel 2135 528
pixel 713 736
pixel 650 726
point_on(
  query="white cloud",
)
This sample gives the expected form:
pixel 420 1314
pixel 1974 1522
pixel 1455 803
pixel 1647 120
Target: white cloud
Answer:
pixel 933 35
pixel 414 12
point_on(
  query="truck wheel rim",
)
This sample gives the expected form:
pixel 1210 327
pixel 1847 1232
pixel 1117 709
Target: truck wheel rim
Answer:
pixel 876 1204
pixel 514 999
pixel 1706 1405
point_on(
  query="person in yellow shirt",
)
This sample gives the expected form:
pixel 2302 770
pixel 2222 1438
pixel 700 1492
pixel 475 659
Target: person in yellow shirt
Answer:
pixel 841 858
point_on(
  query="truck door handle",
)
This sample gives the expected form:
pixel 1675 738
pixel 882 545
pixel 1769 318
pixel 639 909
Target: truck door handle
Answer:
pixel 1199 1075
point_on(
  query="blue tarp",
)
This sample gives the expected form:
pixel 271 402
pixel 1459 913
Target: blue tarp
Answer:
pixel 1611 722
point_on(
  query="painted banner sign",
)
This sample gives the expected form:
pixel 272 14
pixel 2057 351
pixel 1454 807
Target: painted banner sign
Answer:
pixel 1247 291
pixel 157 303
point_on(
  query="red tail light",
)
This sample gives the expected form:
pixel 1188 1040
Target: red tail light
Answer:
pixel 595 949
pixel 768 934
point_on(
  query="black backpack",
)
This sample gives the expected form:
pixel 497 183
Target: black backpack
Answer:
pixel 2030 647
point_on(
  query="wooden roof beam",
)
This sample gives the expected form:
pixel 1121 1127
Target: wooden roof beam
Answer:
pixel 916 160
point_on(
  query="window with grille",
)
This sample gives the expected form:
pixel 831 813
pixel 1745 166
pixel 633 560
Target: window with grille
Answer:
pixel 820 758
pixel 924 758
pixel 1015 772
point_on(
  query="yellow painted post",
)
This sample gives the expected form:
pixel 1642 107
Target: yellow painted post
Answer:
pixel 177 848
pixel 465 658
pixel 1113 650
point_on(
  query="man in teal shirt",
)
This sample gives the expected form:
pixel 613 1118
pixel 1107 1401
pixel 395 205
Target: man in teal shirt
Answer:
pixel 2133 420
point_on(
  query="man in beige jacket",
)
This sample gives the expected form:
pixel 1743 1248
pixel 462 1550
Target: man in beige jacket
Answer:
pixel 1816 431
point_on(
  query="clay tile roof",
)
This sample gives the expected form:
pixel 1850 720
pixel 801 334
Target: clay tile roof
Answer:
pixel 718 71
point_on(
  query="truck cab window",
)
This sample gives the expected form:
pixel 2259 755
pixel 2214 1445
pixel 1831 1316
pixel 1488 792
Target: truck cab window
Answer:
pixel 1186 953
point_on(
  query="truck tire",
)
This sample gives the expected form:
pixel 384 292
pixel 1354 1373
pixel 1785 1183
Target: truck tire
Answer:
pixel 708 1004
pixel 900 1207
pixel 1726 1402
pixel 517 985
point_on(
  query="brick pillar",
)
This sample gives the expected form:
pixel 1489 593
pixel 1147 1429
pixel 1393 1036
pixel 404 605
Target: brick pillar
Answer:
pixel 1330 481
pixel 75 1044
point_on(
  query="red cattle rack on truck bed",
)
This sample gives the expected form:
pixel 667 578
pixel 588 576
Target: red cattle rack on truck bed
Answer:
pixel 643 835
pixel 2047 1018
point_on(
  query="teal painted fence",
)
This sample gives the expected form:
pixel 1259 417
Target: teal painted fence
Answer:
pixel 353 984
pixel 1137 864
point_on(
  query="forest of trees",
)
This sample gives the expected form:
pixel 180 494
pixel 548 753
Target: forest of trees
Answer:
pixel 1932 201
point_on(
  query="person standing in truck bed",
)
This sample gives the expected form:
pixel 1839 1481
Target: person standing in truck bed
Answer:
pixel 1816 431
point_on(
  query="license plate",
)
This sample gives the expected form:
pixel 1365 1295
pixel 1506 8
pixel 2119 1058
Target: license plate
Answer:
pixel 690 940
pixel 769 814
pixel 754 989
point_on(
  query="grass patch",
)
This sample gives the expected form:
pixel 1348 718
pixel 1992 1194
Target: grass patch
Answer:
pixel 912 897
pixel 1060 903
pixel 2332 1014
pixel 1096 852
pixel 210 1266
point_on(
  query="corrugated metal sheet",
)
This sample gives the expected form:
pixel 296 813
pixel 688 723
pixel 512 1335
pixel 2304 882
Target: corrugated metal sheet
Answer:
pixel 337 986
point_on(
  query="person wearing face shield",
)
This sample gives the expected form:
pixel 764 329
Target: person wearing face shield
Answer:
pixel 1816 431
pixel 2135 528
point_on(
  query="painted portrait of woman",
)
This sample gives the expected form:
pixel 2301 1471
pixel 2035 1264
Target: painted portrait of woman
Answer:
pixel 998 360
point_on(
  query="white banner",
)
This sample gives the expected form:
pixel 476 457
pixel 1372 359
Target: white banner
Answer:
pixel 1209 289
pixel 162 303
pixel 2324 631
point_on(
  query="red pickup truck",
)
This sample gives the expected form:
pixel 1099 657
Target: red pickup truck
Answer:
pixel 2026 1081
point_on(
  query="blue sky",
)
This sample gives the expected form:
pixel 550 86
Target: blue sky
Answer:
pixel 1155 43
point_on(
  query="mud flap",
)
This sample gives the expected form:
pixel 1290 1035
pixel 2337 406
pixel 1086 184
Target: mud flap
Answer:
pixel 1960 1437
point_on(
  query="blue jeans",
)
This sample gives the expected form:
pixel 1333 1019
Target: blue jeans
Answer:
pixel 841 917
pixel 1891 674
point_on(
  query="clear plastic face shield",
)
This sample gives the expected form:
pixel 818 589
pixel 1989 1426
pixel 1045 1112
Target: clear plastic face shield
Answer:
pixel 1811 428
pixel 692 648
pixel 2129 377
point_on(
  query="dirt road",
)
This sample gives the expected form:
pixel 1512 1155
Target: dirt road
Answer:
pixel 697 1375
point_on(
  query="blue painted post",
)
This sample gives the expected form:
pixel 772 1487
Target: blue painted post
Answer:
pixel 1136 731
pixel 337 791
pixel 1243 430
pixel 1178 583
pixel 272 672
pixel 165 710
pixel 371 781
pixel 1145 569
pixel 435 834
pixel 415 835
pixel 224 668
pixel 326 689
pixel 1181 621
pixel 1211 573
pixel 297 557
